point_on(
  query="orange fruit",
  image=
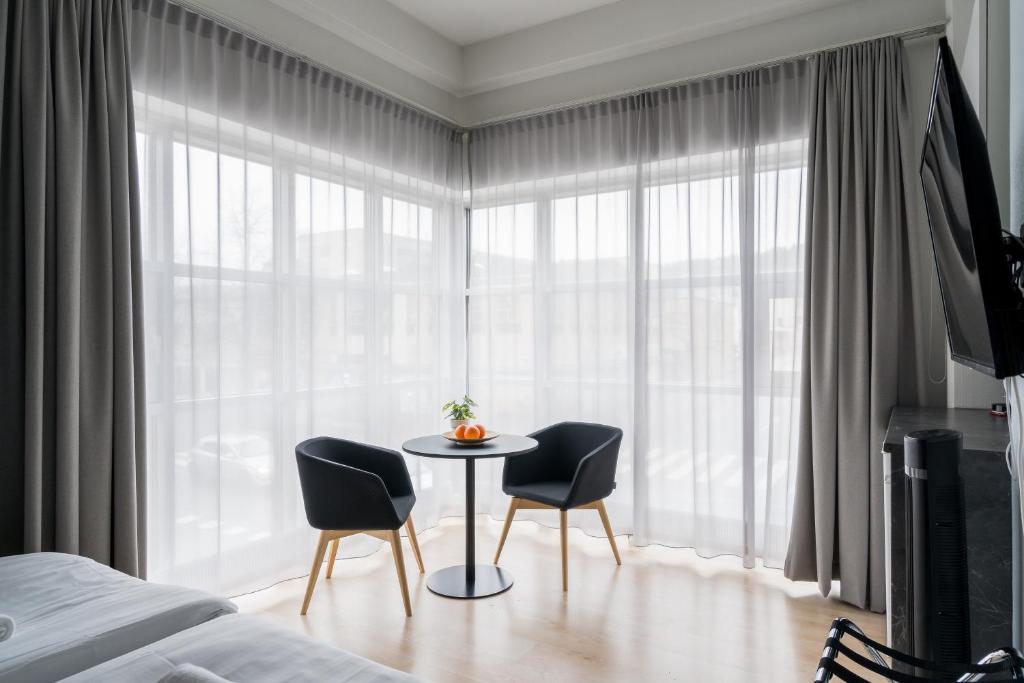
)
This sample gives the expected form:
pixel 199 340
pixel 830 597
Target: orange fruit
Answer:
pixel 483 430
pixel 472 432
pixel 460 432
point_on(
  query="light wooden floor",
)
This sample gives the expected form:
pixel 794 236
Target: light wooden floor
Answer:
pixel 664 615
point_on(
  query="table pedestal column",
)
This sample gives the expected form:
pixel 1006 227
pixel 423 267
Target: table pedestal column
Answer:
pixel 470 580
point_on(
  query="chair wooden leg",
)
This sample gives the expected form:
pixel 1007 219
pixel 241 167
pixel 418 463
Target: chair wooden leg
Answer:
pixel 608 530
pixel 512 507
pixel 411 530
pixel 563 516
pixel 332 557
pixel 318 559
pixel 396 550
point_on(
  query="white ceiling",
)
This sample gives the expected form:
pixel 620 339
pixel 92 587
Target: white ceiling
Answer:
pixel 465 22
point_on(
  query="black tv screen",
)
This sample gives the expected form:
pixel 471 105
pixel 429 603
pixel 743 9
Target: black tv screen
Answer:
pixel 982 302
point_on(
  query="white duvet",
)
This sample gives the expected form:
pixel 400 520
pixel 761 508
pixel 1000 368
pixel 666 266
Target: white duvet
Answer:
pixel 71 613
pixel 243 648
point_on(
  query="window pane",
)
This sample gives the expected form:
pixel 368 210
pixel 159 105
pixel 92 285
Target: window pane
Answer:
pixel 501 335
pixel 693 228
pixel 502 245
pixel 331 337
pixel 246 337
pixel 196 359
pixel 409 339
pixel 195 206
pixel 591 237
pixel 246 202
pixel 590 334
pixel 223 210
pixel 408 241
pixel 330 229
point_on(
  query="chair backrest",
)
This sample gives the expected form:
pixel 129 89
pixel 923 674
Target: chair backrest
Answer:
pixel 348 485
pixel 595 472
pixel 585 453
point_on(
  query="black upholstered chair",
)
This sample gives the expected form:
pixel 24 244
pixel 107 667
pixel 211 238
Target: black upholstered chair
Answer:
pixel 573 467
pixel 350 488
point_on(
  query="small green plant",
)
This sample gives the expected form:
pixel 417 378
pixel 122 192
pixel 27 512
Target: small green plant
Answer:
pixel 459 410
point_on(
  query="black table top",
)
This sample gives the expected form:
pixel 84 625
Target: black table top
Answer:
pixel 436 446
pixel 982 432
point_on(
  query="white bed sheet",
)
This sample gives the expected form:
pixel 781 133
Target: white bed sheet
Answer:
pixel 243 647
pixel 72 613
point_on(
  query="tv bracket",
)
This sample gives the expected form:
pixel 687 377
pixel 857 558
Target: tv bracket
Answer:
pixel 1013 248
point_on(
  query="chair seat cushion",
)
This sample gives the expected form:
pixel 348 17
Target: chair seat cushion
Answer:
pixel 554 493
pixel 403 505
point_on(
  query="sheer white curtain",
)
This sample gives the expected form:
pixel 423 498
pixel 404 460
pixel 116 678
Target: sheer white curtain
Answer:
pixel 634 262
pixel 304 263
pixel 638 262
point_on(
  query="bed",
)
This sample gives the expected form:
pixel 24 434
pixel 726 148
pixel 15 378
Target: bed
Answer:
pixel 243 647
pixel 72 613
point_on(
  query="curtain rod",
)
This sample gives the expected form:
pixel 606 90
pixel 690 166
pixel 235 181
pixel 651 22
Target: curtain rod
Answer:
pixel 905 35
pixel 249 32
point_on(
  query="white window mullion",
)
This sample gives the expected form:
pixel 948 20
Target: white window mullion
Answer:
pixel 283 362
pixel 161 188
pixel 543 303
pixel 747 243
pixel 637 351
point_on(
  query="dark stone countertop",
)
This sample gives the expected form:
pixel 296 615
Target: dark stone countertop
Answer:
pixel 983 433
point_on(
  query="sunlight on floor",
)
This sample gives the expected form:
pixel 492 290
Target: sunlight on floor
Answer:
pixel 664 615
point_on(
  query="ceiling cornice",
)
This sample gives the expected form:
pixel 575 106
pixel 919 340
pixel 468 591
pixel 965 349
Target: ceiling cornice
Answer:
pixel 754 14
pixel 398 38
pixel 443 68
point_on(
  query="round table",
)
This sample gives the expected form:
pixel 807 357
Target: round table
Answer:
pixel 470 580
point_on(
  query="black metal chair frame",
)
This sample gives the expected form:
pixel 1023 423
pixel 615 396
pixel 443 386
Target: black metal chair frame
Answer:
pixel 1006 661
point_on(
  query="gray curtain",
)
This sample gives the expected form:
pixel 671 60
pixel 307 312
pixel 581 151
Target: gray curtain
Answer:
pixel 864 348
pixel 71 408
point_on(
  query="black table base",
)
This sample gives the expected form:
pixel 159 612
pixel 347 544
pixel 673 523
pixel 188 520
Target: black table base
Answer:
pixel 470 580
pixel 454 582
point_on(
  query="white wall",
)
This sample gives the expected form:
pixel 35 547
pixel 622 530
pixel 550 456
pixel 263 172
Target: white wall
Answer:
pixel 1015 188
pixel 997 101
pixel 1016 116
pixel 920 65
pixel 965 38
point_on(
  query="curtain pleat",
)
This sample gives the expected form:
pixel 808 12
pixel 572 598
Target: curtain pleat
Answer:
pixel 861 355
pixel 303 278
pixel 71 338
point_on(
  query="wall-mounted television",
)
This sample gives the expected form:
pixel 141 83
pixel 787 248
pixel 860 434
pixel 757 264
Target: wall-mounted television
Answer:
pixel 977 261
